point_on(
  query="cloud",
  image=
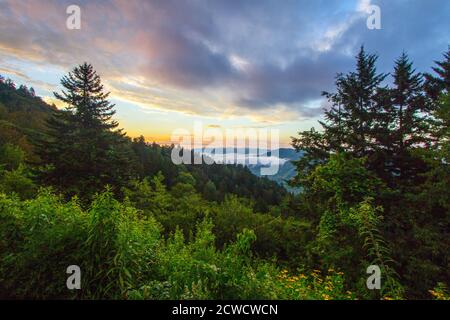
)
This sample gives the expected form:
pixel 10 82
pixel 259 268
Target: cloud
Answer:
pixel 22 75
pixel 267 60
pixel 299 82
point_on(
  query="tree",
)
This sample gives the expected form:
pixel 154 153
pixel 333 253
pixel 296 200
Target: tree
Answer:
pixel 408 123
pixel 437 87
pixel 210 191
pixel 14 176
pixel 350 123
pixel 23 90
pixel 349 231
pixel 369 120
pixel 435 84
pixel 82 150
pixel 11 156
pixel 395 137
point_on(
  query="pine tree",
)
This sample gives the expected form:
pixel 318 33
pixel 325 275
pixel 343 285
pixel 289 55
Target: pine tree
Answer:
pixel 408 121
pixel 83 151
pixel 437 88
pixel 435 84
pixel 350 124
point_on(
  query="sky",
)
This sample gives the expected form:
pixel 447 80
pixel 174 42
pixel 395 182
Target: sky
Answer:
pixel 229 64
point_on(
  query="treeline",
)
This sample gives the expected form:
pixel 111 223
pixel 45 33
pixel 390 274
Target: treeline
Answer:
pixel 213 181
pixel 376 177
pixel 374 187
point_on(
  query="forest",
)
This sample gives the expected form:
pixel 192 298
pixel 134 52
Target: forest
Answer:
pixel 374 187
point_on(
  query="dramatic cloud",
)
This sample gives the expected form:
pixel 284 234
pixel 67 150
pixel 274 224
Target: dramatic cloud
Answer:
pixel 268 60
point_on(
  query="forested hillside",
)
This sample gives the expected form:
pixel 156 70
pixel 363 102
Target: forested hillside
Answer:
pixel 374 180
pixel 22 114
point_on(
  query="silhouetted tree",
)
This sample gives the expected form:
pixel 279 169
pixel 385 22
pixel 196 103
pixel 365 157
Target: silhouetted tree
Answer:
pixel 351 122
pixel 83 151
pixel 435 84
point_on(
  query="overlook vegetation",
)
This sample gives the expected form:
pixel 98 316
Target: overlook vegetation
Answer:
pixel 374 181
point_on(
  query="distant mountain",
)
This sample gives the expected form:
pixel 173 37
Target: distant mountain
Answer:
pixel 243 156
pixel 289 153
pixel 286 170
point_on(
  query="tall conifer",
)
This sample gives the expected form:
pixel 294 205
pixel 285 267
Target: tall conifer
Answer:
pixel 83 149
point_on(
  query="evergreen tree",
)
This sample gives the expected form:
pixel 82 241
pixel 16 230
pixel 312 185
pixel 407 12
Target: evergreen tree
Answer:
pixel 409 125
pixel 210 191
pixel 435 84
pixel 351 124
pixel 437 87
pixel 83 151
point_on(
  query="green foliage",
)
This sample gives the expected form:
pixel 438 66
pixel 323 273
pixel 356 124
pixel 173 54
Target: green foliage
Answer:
pixel 238 180
pixel 210 191
pixel 384 149
pixel 15 177
pixel 40 239
pixel 198 270
pixel 121 255
pixel 18 182
pixel 283 237
pixel 343 180
pixel 366 219
pixel 81 151
pixel 349 230
pixel 183 208
pixel 22 115
pixel 374 190
pixel 11 156
pixel 214 181
pixel 120 249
